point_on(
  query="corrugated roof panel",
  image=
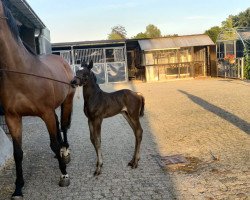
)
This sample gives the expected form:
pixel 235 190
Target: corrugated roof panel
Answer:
pixel 245 35
pixel 23 7
pixel 175 42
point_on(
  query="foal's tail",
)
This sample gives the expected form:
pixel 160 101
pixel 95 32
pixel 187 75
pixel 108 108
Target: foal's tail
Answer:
pixel 142 104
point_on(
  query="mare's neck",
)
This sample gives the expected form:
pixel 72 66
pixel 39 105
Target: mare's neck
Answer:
pixel 90 89
pixel 13 55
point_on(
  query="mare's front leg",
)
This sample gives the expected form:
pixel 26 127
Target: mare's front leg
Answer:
pixel 50 121
pixel 15 127
pixel 95 137
pixel 66 112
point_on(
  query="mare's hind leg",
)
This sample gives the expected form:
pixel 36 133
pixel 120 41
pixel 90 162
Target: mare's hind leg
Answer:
pixel 95 137
pixel 50 121
pixel 136 126
pixel 66 111
pixel 15 125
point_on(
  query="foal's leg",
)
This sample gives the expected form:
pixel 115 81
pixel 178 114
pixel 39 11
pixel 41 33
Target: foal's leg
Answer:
pixel 136 126
pixel 66 111
pixel 50 121
pixel 95 137
pixel 15 125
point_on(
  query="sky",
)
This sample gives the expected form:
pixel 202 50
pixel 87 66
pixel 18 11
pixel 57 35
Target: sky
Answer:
pixel 87 20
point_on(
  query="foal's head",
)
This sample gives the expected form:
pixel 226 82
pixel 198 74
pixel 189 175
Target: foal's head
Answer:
pixel 84 75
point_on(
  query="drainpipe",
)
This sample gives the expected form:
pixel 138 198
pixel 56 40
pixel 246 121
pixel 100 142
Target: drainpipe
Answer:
pixel 73 59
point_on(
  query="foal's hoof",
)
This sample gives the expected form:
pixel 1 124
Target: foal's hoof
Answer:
pixel 66 159
pixel 16 197
pixel 64 181
pixel 97 172
pixel 133 164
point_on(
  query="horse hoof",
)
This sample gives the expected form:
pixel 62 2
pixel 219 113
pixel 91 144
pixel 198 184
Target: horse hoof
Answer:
pixel 16 197
pixel 66 159
pixel 97 172
pixel 132 164
pixel 64 181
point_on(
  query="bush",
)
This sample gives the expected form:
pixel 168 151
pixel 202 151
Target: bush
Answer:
pixel 246 64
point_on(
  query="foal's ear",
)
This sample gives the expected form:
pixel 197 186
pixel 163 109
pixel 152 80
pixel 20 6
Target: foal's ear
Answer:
pixel 83 63
pixel 90 66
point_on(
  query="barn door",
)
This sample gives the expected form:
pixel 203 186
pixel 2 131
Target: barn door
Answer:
pixel 115 65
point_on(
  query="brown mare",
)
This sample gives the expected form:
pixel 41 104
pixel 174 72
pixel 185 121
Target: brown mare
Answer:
pixel 26 95
pixel 99 105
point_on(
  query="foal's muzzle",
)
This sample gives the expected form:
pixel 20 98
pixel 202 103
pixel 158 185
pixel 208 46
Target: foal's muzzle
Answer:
pixel 76 81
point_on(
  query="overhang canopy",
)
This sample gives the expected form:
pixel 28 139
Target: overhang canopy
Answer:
pixel 25 14
pixel 175 42
pixel 89 43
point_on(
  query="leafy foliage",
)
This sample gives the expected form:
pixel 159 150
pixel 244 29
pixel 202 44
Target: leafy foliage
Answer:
pixel 117 32
pixel 242 19
pixel 213 32
pixel 140 36
pixel 151 32
pixel 247 64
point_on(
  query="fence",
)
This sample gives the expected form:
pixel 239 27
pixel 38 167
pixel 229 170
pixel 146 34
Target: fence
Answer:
pixel 231 70
pixel 3 124
pixel 174 70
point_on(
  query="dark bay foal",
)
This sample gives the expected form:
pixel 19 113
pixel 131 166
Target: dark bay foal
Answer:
pixel 99 105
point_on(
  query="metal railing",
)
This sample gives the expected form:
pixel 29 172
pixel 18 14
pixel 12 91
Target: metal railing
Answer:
pixel 231 70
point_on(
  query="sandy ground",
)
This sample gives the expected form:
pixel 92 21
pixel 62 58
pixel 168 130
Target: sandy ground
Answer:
pixel 205 121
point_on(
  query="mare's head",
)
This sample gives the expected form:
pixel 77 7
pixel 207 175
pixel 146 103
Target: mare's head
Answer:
pixel 84 75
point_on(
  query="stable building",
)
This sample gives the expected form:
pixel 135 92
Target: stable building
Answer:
pixel 109 57
pixel 177 57
pixel 143 59
pixel 32 30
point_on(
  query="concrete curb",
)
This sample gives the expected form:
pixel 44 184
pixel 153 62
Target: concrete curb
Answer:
pixel 6 148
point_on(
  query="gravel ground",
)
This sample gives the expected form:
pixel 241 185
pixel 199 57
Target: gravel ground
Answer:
pixel 206 121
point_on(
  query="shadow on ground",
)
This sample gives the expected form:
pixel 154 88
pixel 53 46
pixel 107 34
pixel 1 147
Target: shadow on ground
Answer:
pixel 230 117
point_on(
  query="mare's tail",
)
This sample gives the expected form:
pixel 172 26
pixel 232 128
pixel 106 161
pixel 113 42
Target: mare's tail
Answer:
pixel 142 104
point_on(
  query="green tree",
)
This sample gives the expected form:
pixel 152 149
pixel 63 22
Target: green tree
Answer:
pixel 117 32
pixel 228 25
pixel 170 35
pixel 242 19
pixel 152 31
pixel 140 36
pixel 213 32
pixel 247 62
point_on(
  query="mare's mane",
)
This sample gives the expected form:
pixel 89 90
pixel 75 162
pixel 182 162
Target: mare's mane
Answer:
pixel 11 21
pixel 13 26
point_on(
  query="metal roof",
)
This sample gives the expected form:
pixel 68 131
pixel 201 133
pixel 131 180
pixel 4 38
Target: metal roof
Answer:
pixel 22 11
pixel 89 43
pixel 244 33
pixel 175 42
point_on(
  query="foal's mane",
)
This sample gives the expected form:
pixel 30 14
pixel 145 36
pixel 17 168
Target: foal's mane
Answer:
pixel 93 76
pixel 13 26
